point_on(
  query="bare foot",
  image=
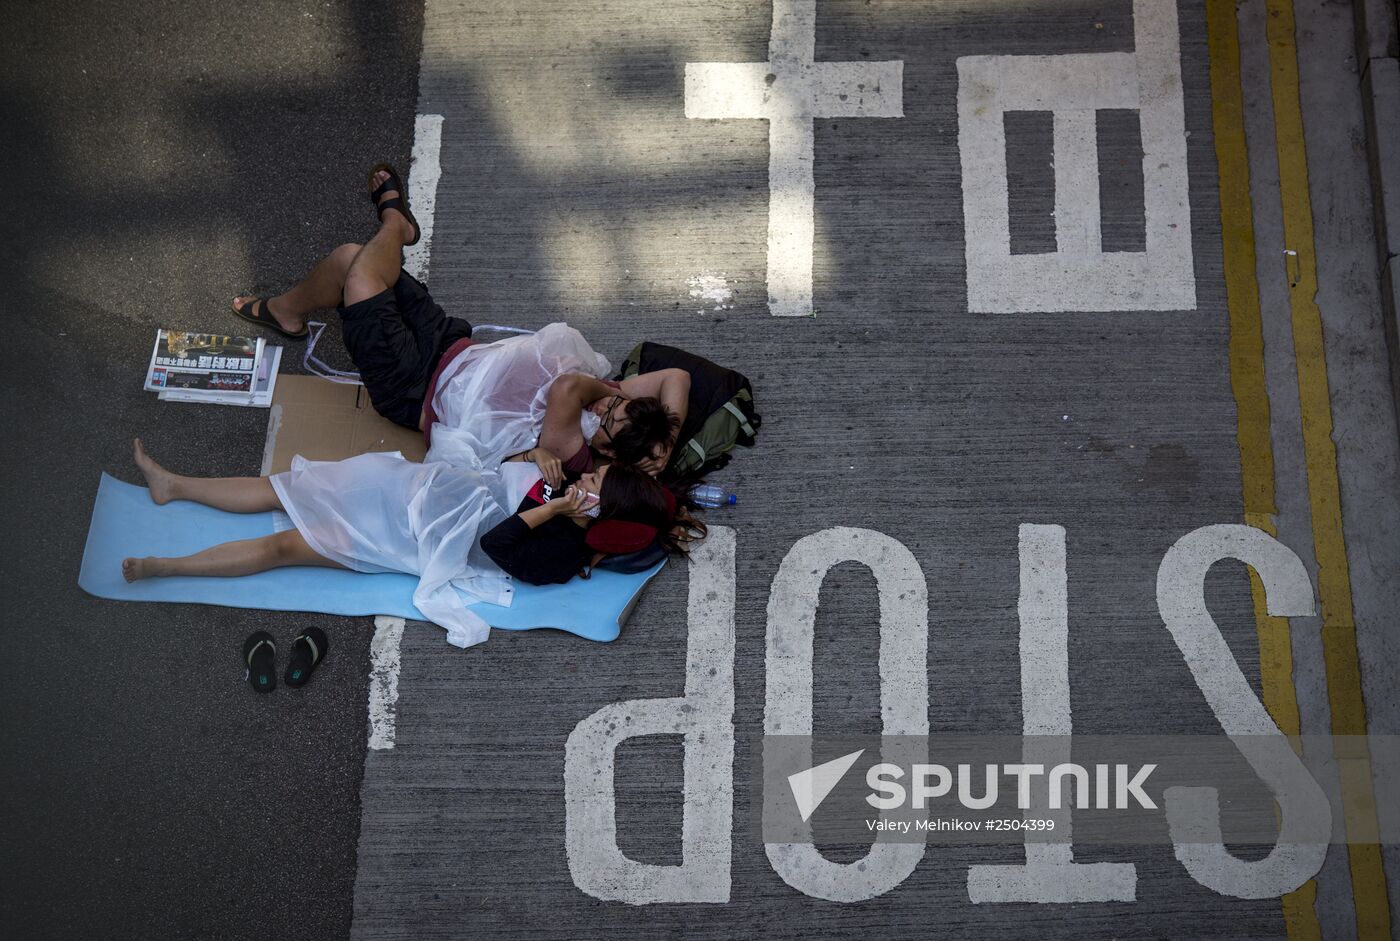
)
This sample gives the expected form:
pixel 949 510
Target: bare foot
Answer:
pixel 274 307
pixel 160 481
pixel 134 570
pixel 406 230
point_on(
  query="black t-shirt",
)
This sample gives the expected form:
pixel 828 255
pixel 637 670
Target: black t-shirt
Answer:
pixel 551 553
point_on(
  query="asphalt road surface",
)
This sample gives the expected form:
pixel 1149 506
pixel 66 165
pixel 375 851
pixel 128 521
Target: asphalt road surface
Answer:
pixel 171 156
pixel 944 385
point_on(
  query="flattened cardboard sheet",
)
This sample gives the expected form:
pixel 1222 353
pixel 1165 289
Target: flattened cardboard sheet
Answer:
pixel 329 421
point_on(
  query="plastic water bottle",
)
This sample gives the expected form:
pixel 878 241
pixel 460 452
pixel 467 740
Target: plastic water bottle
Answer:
pixel 712 496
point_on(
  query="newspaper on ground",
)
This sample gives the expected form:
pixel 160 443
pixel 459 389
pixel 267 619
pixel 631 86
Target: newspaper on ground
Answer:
pixel 213 368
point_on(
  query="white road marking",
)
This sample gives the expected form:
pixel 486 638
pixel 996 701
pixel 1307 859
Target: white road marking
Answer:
pixel 789 90
pixel 1193 813
pixel 423 179
pixel 1078 222
pixel 1050 873
pixel 384 680
pixel 705 716
pixel 792 615
pixel 712 289
pixel 1079 275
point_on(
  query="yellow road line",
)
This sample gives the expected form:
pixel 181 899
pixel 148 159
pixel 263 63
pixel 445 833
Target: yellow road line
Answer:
pixel 1247 379
pixel 1334 579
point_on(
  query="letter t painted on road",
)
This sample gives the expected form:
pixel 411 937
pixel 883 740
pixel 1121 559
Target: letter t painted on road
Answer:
pixel 790 90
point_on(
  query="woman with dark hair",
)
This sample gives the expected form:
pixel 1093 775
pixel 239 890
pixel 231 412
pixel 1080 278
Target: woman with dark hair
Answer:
pixel 381 513
pixel 549 539
pixel 546 392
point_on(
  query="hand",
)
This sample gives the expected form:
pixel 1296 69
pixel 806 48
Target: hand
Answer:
pixel 551 468
pixel 573 504
pixel 656 463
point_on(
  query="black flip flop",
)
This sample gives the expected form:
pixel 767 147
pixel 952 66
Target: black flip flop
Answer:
pixel 261 316
pixel 399 202
pixel 308 650
pixel 260 657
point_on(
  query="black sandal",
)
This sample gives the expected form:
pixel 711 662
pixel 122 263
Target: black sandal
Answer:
pixel 307 651
pixel 260 657
pixel 262 316
pixel 399 202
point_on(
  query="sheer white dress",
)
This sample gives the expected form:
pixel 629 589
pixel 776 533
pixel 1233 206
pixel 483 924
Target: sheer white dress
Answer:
pixel 490 399
pixel 382 513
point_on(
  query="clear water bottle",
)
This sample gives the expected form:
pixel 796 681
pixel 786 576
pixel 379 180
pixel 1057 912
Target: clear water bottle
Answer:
pixel 712 496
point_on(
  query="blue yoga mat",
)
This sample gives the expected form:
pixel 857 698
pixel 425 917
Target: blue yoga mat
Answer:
pixel 126 523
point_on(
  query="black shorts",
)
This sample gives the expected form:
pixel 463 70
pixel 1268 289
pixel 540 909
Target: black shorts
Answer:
pixel 395 339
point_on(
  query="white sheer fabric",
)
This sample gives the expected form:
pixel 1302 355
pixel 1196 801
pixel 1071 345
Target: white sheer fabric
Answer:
pixel 490 399
pixel 382 513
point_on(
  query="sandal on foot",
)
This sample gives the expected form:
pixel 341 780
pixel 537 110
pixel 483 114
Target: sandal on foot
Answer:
pixel 260 657
pixel 307 651
pixel 399 202
pixel 262 316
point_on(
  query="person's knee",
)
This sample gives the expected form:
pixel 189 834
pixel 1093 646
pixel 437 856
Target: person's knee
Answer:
pixel 285 548
pixel 342 255
pixel 361 286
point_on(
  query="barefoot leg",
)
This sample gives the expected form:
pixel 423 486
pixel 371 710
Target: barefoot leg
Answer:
pixel 235 494
pixel 243 557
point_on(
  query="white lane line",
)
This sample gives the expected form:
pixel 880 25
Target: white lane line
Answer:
pixel 423 179
pixel 789 90
pixel 384 680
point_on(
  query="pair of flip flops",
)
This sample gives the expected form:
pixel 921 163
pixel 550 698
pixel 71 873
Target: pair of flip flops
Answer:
pixel 256 310
pixel 260 657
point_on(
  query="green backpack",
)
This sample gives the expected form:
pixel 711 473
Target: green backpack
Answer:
pixel 720 414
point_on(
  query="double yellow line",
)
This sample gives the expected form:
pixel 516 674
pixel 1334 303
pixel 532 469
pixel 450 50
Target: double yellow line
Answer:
pixel 1256 453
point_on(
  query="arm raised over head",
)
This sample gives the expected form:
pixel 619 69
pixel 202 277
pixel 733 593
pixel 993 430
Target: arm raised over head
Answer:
pixel 568 396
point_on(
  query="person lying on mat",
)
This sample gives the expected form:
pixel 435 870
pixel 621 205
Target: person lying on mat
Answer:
pixel 489 400
pixel 540 546
pixel 546 394
pixel 382 513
